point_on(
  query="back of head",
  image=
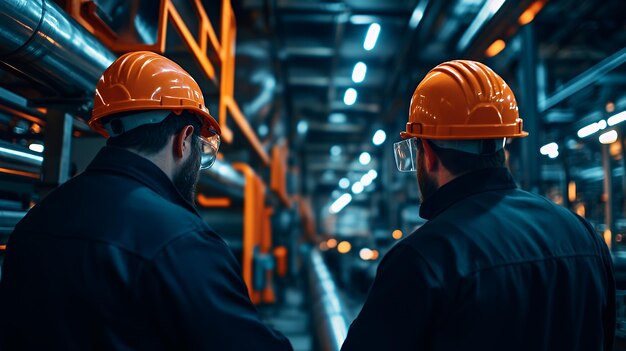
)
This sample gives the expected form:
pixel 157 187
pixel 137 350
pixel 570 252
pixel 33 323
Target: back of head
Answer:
pixel 465 111
pixel 143 98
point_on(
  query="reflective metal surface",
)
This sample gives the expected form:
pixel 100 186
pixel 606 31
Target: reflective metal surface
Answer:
pixel 224 177
pixel 39 40
pixel 16 155
pixel 329 318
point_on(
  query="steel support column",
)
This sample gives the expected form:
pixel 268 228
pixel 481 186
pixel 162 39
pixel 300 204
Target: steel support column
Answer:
pixel 57 141
pixel 608 196
pixel 527 77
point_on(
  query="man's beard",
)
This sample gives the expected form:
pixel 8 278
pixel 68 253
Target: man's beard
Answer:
pixel 186 179
pixel 427 185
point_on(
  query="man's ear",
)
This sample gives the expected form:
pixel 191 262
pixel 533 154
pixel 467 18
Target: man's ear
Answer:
pixel 430 158
pixel 182 141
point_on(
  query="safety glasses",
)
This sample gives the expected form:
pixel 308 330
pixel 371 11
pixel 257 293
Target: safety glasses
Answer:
pixel 405 152
pixel 208 148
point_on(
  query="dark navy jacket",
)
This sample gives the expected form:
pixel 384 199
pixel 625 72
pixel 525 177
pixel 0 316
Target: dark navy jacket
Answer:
pixel 494 268
pixel 116 259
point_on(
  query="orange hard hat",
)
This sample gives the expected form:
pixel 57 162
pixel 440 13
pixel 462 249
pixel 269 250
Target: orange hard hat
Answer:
pixel 463 100
pixel 143 81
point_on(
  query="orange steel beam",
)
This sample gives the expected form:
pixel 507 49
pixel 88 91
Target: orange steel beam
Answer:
pixel 20 173
pixel 24 115
pixel 206 201
pixel 85 12
pixel 280 253
pixel 251 213
pixel 246 129
pixel 266 246
pixel 278 174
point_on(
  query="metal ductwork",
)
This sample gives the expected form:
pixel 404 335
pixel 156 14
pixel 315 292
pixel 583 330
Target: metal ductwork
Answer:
pixel 39 41
pixel 223 178
pixel 256 80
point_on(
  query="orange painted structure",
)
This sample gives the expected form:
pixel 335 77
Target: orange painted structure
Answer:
pixel 257 233
pixel 222 53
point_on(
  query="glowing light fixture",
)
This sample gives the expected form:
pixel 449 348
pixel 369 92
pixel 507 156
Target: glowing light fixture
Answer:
pixel 371 37
pixel 608 138
pixel 551 150
pixel 617 118
pixel 610 107
pixel 397 234
pixel 379 137
pixel 357 188
pixel 571 191
pixel 344 183
pixel 591 129
pixel 349 98
pixel 365 254
pixel 530 13
pixel 373 174
pixel 36 147
pixel 335 150
pixel 332 243
pixel 495 48
pixel 365 158
pixel 374 255
pixel 337 118
pixel 366 179
pixel 344 247
pixel 302 127
pixel 358 73
pixel 340 203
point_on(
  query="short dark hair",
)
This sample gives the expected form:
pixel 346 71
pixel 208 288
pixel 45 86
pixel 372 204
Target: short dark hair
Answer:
pixel 459 162
pixel 152 138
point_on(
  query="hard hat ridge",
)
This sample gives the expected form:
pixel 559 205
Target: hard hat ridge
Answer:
pixel 143 81
pixel 463 100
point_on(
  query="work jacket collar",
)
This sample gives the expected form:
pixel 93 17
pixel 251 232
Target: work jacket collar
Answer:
pixel 465 186
pixel 142 170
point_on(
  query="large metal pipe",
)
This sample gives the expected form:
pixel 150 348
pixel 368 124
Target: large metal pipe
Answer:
pixel 16 155
pixel 224 179
pixel 328 310
pixel 585 79
pixel 40 41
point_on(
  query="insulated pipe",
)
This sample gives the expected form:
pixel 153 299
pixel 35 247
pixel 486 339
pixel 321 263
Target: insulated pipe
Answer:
pixel 328 309
pixel 14 154
pixel 223 177
pixel 8 220
pixel 39 40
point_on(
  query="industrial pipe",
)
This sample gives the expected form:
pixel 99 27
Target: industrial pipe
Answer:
pixel 8 220
pixel 328 310
pixel 14 154
pixel 39 40
pixel 223 177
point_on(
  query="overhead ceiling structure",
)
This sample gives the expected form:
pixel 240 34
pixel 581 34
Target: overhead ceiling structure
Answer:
pixel 320 44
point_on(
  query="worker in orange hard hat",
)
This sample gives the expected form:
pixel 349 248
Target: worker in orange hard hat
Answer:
pixel 118 258
pixel 494 267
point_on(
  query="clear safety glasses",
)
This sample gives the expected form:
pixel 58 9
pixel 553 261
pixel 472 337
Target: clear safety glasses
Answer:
pixel 208 148
pixel 405 152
